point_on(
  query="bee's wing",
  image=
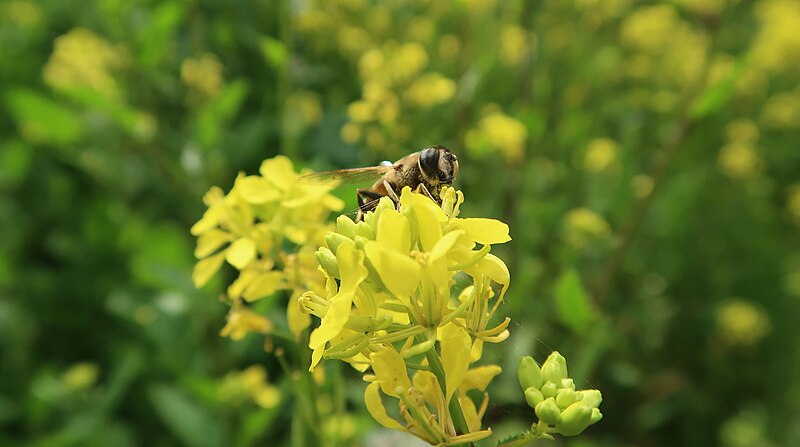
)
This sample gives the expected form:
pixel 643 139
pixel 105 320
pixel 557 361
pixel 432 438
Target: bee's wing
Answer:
pixel 347 176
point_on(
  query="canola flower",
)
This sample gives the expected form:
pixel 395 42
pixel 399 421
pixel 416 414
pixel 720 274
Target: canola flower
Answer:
pixel 388 306
pixel 250 228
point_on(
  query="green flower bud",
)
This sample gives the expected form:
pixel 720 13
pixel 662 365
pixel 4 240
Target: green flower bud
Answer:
pixel 574 419
pixel 529 373
pixel 327 260
pixel 365 230
pixel 591 398
pixel 555 368
pixel 567 397
pixel 549 389
pixel 596 416
pixel 567 384
pixel 346 226
pixel 547 411
pixel 533 396
pixel 334 240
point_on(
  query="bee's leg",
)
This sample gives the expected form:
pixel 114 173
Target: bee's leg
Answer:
pixel 425 191
pixel 390 192
pixel 367 200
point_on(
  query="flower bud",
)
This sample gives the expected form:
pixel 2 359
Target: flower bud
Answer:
pixel 567 397
pixel 596 416
pixel 554 368
pixel 549 389
pixel 567 384
pixel 591 398
pixel 334 240
pixel 547 411
pixel 574 419
pixel 365 230
pixel 345 226
pixel 533 396
pixel 327 260
pixel 529 373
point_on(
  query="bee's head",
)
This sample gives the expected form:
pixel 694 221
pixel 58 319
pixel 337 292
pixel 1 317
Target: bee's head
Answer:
pixel 438 165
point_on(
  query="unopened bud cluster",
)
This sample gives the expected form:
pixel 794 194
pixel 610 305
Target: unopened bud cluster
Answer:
pixel 559 407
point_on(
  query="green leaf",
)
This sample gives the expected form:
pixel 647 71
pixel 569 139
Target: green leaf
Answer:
pixel 715 96
pixel 274 51
pixel 187 420
pixel 572 304
pixel 40 119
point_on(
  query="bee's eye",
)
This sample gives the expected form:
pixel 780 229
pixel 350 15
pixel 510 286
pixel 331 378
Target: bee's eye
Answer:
pixel 429 161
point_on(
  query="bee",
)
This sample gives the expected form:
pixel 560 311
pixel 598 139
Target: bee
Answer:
pixel 426 171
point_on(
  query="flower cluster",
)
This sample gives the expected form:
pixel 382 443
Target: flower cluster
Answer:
pixel 267 227
pixel 559 407
pixel 389 305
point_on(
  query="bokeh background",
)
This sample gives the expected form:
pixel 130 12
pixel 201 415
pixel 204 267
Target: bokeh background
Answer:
pixel 645 155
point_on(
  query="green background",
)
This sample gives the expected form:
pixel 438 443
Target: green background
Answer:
pixel 644 154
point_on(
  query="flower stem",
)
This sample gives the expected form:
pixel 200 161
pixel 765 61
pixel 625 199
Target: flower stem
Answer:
pixel 456 414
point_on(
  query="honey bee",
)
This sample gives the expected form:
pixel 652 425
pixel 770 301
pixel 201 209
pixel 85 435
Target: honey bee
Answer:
pixel 426 171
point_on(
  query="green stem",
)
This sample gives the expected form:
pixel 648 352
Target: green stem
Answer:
pixel 456 414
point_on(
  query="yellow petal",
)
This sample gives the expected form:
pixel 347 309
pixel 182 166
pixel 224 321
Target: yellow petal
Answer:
pixel 206 269
pixel 279 171
pixel 298 321
pixel 479 378
pixel 394 231
pixel 390 371
pixel 426 383
pixel 496 269
pixel 470 413
pixel 209 242
pixel 456 344
pixel 426 216
pixel 238 286
pixel 267 396
pixel 372 397
pixel 209 220
pixel 264 285
pixel 351 267
pixel 476 352
pixel 398 272
pixel 444 245
pixel 484 231
pixel 256 190
pixel 241 252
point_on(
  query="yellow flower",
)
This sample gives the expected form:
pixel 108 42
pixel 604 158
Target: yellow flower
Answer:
pixel 82 59
pixel 241 321
pixel 782 110
pixel 739 161
pixel 777 44
pixel 741 323
pixel 600 154
pixel 498 132
pixel 742 131
pixel 389 281
pixel 514 44
pixel 81 376
pixel 583 226
pixel 249 384
pixel 203 74
pixel 430 89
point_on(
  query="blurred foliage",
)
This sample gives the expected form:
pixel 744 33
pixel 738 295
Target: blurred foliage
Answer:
pixel 644 154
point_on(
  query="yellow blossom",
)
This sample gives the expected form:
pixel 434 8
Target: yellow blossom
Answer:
pixel 430 89
pixel 583 226
pixel 782 110
pixel 739 161
pixel 600 154
pixel 81 376
pixel 741 323
pixel 514 44
pixel 776 47
pixel 241 321
pixel 203 74
pixel 742 131
pixel 82 59
pixel 498 132
pixel 249 384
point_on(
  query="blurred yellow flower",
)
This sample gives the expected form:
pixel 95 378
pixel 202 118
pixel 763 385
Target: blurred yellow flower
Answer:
pixel 649 28
pixel 642 186
pixel 304 107
pixel 430 89
pixel 350 133
pixel 81 376
pixel 704 7
pixel 203 74
pixel 600 154
pixel 742 323
pixel 782 111
pixel 82 59
pixel 514 44
pixel 583 226
pixel 449 46
pixel 739 161
pixel 498 133
pixel 23 12
pixel 742 131
pixel 249 384
pixel 776 47
pixel 242 321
